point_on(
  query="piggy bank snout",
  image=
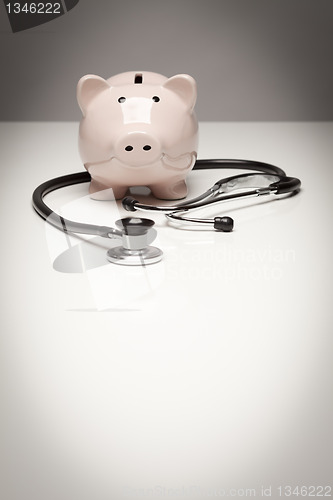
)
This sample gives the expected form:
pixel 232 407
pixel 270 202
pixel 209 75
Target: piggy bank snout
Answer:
pixel 138 148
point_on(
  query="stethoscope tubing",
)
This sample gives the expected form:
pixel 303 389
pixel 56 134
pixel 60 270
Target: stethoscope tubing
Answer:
pixel 281 184
pixel 66 225
pixel 208 164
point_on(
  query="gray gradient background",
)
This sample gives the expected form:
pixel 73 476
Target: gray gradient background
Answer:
pixel 254 60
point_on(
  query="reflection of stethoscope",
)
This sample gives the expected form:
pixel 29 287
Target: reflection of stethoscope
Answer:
pixel 137 234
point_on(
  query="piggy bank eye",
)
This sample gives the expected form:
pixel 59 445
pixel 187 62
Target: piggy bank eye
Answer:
pixel 122 99
pixel 156 98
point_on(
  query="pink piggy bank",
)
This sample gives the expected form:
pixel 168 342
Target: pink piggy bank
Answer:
pixel 138 129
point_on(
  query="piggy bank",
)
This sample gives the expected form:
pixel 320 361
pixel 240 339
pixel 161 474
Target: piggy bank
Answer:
pixel 138 129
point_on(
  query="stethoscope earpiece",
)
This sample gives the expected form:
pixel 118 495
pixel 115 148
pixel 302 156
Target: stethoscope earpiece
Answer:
pixel 128 204
pixel 225 224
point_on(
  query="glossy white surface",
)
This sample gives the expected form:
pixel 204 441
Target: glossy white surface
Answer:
pixel 210 370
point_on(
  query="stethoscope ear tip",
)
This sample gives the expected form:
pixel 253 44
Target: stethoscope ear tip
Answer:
pixel 128 204
pixel 225 224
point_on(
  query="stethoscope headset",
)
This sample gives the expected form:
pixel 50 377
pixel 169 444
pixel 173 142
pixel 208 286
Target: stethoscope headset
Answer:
pixel 137 234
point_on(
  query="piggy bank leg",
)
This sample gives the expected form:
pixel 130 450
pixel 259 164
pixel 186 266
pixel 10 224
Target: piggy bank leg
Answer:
pixel 174 191
pixel 99 191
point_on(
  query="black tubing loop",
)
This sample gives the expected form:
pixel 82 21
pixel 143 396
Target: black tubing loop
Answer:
pixel 284 185
pixel 68 226
pixel 239 164
pixel 48 186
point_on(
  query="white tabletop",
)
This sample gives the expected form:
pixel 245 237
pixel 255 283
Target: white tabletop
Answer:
pixel 206 372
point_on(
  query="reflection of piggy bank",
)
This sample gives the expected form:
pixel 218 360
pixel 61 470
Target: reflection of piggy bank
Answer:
pixel 138 129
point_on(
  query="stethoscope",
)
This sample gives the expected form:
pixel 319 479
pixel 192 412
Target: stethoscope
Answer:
pixel 136 234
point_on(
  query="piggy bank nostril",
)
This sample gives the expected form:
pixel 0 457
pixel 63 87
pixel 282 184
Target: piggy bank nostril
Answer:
pixel 129 148
pixel 147 147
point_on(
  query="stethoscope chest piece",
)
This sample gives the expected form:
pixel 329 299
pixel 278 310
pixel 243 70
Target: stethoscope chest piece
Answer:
pixel 135 250
pixel 125 257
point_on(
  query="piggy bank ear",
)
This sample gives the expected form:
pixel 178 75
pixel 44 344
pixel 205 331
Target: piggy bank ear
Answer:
pixel 185 87
pixel 88 87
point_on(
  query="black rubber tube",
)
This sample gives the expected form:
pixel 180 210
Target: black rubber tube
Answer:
pixel 285 185
pixel 68 226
